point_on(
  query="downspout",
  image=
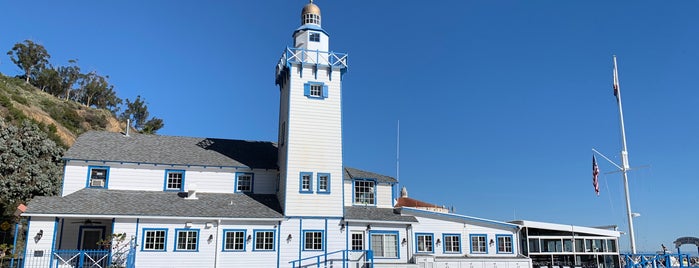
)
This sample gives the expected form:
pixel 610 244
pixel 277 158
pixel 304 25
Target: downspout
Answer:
pixel 218 225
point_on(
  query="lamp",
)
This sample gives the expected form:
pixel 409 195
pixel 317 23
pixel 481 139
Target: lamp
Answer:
pixel 492 242
pixel 211 237
pixel 38 236
pixel 249 238
pixel 368 227
pixel 404 242
pixel 342 227
pixel 439 242
pixel 288 238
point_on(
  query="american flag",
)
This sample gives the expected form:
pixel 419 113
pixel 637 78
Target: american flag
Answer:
pixel 595 172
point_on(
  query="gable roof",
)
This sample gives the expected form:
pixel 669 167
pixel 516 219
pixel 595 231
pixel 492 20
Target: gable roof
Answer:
pixel 353 173
pixel 455 217
pixel 157 149
pixel 156 204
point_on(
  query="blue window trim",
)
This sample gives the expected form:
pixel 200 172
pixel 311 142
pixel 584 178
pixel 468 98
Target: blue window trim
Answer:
pixel 252 181
pixel 89 175
pixel 322 240
pixel 254 239
pixel 225 235
pixel 470 243
pixel 143 240
pixel 310 182
pixel 307 90
pixel 327 191
pixel 167 173
pixel 497 244
pixel 416 242
pixel 177 237
pixel 354 202
pixel 444 241
pixel 386 232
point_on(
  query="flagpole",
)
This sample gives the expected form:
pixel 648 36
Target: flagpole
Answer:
pixel 624 159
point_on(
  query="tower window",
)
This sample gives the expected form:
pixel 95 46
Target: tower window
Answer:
pixel 316 90
pixel 314 37
pixel 305 185
pixel 311 18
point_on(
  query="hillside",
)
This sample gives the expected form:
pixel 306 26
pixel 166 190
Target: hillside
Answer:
pixel 62 120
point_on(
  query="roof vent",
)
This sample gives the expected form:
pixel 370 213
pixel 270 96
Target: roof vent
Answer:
pixel 192 192
pixel 128 124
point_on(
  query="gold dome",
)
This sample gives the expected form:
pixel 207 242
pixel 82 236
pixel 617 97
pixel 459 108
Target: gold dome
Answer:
pixel 310 8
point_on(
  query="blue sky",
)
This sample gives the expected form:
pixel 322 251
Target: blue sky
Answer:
pixel 499 102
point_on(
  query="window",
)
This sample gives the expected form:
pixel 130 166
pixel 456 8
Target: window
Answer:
pixel 504 243
pixel 312 240
pixel 424 243
pixel 264 240
pixel 357 241
pixel 311 18
pixel 316 90
pixel 478 243
pixel 314 37
pixel 97 177
pixel 234 240
pixel 452 243
pixel 244 182
pixel 364 192
pixel 384 244
pixel 305 182
pixel 174 180
pixel 187 240
pixel 154 239
pixel 324 183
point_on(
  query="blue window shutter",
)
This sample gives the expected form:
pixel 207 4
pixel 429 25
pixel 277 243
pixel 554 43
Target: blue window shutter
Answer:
pixel 306 89
pixel 325 91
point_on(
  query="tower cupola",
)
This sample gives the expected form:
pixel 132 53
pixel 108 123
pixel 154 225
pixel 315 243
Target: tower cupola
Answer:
pixel 310 14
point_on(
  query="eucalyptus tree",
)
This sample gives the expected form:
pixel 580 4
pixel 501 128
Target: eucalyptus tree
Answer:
pixel 30 57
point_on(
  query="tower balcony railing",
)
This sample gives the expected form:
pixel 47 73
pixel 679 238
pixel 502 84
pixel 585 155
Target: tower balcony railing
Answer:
pixel 312 57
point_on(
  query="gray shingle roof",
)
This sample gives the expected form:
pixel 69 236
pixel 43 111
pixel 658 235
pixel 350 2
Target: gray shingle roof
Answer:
pixel 376 214
pixel 149 203
pixel 353 173
pixel 157 149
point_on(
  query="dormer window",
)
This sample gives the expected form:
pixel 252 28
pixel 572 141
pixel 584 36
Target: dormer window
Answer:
pixel 97 177
pixel 364 192
pixel 314 37
pixel 174 180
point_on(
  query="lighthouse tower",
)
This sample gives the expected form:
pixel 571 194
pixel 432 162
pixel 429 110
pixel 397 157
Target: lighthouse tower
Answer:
pixel 309 77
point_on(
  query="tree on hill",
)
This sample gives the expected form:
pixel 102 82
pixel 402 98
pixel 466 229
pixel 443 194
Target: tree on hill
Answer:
pixel 137 112
pixel 30 57
pixel 70 75
pixel 95 90
pixel 30 164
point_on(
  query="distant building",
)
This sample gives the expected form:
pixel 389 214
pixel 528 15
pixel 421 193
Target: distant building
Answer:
pixel 206 202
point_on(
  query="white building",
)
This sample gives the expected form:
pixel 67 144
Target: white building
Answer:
pixel 203 202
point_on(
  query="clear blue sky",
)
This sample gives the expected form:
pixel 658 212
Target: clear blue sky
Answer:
pixel 499 102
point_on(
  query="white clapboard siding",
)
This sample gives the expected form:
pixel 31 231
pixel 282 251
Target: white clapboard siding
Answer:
pixel 148 177
pixel 45 225
pixel 439 227
pixel 314 144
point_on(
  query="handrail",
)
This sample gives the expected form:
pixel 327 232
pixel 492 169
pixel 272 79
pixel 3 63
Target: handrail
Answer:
pixel 306 56
pixel 345 257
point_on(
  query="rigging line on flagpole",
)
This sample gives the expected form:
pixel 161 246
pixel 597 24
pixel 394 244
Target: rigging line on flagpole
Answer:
pixel 606 158
pixel 629 169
